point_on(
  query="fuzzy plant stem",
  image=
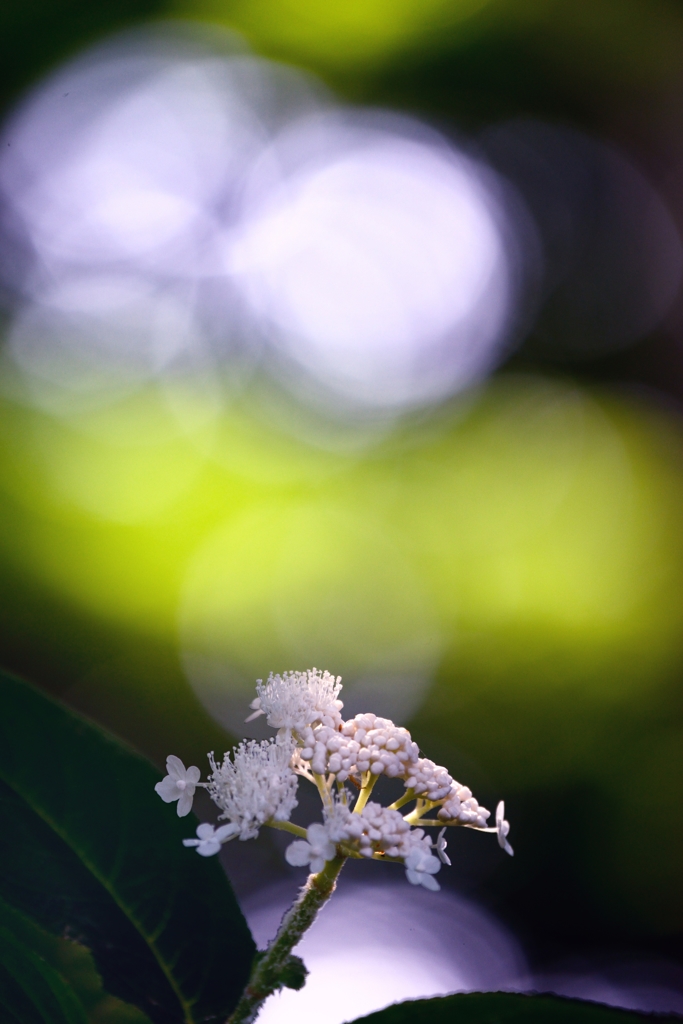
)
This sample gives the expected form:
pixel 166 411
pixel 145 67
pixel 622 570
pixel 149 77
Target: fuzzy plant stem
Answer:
pixel 275 966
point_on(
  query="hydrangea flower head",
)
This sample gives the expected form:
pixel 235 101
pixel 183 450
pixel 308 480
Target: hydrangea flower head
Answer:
pixel 255 786
pixel 294 700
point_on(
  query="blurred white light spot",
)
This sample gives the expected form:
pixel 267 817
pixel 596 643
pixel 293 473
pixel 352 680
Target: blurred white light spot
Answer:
pixel 379 261
pixel 94 338
pixel 376 260
pixel 379 944
pixel 119 175
pixel 150 147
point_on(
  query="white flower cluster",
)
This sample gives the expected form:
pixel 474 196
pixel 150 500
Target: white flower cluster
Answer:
pixel 428 779
pixel 295 700
pixel 257 785
pixel 366 743
pixel 461 807
pixel 376 831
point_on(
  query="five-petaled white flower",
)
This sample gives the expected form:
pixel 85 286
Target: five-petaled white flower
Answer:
pixel 179 784
pixel 503 828
pixel 421 867
pixel 315 852
pixel 440 847
pixel 210 838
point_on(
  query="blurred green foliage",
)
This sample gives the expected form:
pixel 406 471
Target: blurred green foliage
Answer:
pixel 92 853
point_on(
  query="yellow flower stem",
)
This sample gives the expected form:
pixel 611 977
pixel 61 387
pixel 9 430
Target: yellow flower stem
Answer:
pixel 323 789
pixel 288 826
pixel 421 807
pixel 368 781
pixel 403 800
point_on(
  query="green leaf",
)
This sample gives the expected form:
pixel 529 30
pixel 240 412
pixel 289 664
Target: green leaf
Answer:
pixel 76 966
pixel 89 851
pixel 32 992
pixel 504 1008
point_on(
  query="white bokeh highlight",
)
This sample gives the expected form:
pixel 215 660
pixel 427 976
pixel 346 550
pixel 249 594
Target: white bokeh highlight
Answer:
pixel 378 261
pixel 366 261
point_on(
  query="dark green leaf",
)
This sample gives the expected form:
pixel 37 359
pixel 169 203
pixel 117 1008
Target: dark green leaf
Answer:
pixel 32 992
pixel 90 851
pixel 76 966
pixel 504 1008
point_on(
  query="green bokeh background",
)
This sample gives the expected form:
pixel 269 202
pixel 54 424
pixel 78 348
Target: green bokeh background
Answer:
pixel 520 548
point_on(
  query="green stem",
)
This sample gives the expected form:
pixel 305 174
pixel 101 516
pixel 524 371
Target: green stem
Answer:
pixel 369 781
pixel 403 800
pixel 323 789
pixel 288 826
pixel 269 967
pixel 421 807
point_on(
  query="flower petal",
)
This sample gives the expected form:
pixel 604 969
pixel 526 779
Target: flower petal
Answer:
pixel 298 853
pixel 317 864
pixel 193 775
pixel 431 865
pixel 191 842
pixel 430 882
pixel 227 831
pixel 205 831
pixel 167 789
pixel 414 877
pixel 175 767
pixel 412 860
pixel 185 803
pixel 208 848
pixel 316 834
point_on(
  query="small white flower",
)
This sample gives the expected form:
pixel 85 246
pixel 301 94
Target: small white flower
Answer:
pixel 211 839
pixel 315 852
pixel 503 829
pixel 440 847
pixel 421 866
pixel 179 784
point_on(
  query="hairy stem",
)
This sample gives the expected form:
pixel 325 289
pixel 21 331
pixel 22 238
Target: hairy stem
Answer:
pixel 268 971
